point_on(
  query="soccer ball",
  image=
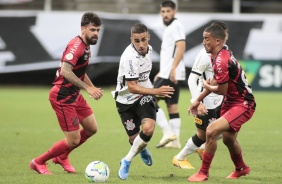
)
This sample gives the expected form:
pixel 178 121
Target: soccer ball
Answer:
pixel 97 171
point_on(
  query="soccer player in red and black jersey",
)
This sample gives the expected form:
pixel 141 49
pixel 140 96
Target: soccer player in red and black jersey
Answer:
pixel 68 103
pixel 237 108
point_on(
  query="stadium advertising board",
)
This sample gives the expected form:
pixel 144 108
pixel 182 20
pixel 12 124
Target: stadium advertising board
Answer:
pixel 32 41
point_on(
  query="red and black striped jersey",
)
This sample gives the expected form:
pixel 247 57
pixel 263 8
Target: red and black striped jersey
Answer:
pixel 78 55
pixel 228 69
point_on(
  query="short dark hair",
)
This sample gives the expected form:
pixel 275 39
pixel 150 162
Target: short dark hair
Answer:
pixel 138 28
pixel 221 24
pixel 216 31
pixel 90 17
pixel 170 4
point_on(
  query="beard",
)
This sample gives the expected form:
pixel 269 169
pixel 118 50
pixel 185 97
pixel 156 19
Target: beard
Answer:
pixel 168 22
pixel 92 40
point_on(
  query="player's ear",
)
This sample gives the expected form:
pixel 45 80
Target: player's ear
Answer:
pixel 148 37
pixel 82 29
pixel 131 39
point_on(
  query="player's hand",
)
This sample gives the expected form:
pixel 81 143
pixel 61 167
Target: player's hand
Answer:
pixel 172 77
pixel 193 108
pixel 94 92
pixel 165 91
pixel 201 110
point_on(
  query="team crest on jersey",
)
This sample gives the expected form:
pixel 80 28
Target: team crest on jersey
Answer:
pixel 129 124
pixel 216 101
pixel 69 56
pixel 74 121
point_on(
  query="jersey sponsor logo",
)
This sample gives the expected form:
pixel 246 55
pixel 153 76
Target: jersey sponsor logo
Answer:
pixel 131 71
pixel 85 56
pixel 75 46
pixel 69 56
pixel 218 63
pixel 129 124
pixel 145 99
pixel 143 76
pixel 132 97
pixel 198 121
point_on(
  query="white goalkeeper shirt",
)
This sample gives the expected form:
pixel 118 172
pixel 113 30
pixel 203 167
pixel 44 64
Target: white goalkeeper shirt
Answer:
pixel 173 33
pixel 202 69
pixel 132 66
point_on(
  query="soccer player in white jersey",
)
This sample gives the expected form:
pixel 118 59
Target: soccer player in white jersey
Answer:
pixel 134 97
pixel 201 70
pixel 172 70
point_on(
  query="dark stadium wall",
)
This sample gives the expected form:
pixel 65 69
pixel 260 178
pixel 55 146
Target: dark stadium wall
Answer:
pixel 30 55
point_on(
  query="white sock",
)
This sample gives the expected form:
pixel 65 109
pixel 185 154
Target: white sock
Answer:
pixel 162 122
pixel 175 126
pixel 203 146
pixel 189 148
pixel 137 146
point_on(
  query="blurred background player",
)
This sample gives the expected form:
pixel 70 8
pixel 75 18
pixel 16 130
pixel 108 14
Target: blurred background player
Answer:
pixel 68 103
pixel 201 70
pixel 134 97
pixel 237 107
pixel 172 70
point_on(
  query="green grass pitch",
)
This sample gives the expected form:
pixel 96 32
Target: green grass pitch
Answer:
pixel 29 127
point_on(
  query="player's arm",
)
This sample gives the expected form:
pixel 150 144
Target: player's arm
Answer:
pixel 179 52
pixel 134 88
pixel 213 86
pixel 67 73
pixel 220 89
pixel 98 92
pixel 87 80
pixel 192 83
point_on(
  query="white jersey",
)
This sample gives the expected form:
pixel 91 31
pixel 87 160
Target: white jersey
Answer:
pixel 203 68
pixel 173 33
pixel 132 66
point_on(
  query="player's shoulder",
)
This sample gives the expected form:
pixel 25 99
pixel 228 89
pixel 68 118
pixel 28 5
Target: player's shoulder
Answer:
pixel 77 41
pixel 225 52
pixel 177 24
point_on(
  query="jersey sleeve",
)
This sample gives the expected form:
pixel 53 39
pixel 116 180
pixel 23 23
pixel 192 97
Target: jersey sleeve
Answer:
pixel 179 32
pixel 221 69
pixel 201 63
pixel 131 67
pixel 73 53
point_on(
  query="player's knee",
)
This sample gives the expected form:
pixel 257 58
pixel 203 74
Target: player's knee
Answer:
pixel 148 131
pixel 145 136
pixel 93 131
pixel 210 134
pixel 73 143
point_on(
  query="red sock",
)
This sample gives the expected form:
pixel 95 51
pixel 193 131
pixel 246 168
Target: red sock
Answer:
pixel 57 149
pixel 83 138
pixel 238 160
pixel 206 163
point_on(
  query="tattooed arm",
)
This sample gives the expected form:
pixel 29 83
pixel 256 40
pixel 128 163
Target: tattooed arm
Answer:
pixel 67 73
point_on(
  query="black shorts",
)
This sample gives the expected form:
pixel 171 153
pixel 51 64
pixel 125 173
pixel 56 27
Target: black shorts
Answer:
pixel 132 114
pixel 202 122
pixel 166 82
